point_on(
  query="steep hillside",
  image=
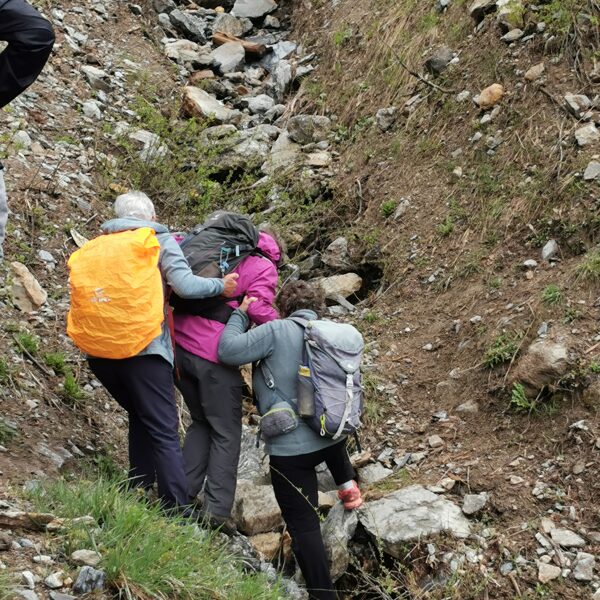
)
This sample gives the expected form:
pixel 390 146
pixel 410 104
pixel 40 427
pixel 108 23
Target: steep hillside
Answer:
pixel 441 156
pixel 457 200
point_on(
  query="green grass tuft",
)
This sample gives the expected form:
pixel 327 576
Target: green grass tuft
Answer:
pixel 71 390
pixel 28 342
pixel 144 554
pixel 56 361
pixel 7 583
pixel 446 227
pixel 503 349
pixel 589 269
pixel 388 208
pixel 552 295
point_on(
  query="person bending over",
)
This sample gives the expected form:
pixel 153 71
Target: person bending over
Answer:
pixel 293 456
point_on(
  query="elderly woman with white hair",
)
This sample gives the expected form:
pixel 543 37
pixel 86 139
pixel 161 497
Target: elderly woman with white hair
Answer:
pixel 143 384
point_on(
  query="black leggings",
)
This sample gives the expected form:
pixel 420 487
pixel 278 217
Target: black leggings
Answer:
pixel 295 485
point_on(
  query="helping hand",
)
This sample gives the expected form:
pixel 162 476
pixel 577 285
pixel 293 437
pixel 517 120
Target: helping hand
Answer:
pixel 230 284
pixel 248 300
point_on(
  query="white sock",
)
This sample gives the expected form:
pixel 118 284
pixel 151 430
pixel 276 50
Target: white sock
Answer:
pixel 347 486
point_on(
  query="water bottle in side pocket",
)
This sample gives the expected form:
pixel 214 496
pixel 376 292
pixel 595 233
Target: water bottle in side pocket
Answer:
pixel 306 393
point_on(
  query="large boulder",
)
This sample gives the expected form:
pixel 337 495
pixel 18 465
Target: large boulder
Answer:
pixel 253 9
pixel 27 294
pixel 337 530
pixel 510 15
pixel 256 509
pixel 184 51
pixel 285 155
pixel 280 80
pixel 233 149
pixel 198 103
pixel 490 96
pixel 308 129
pixel 190 26
pixel 266 544
pixel 340 285
pixel 439 60
pixel 587 134
pixel 412 513
pixel 336 254
pixel 229 57
pixel 544 363
pixel 226 23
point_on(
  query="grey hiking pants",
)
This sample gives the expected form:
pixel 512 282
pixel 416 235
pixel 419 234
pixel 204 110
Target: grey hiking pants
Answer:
pixel 213 395
pixel 3 212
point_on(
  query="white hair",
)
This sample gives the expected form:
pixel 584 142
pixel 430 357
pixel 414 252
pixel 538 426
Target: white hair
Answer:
pixel 135 204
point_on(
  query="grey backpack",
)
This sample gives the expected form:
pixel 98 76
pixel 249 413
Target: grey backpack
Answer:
pixel 332 355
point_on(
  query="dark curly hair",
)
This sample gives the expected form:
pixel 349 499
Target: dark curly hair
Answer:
pixel 301 295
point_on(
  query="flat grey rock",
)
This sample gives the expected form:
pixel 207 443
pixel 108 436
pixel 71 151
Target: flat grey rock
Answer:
pixel 567 538
pixel 373 473
pixel 253 9
pixel 412 513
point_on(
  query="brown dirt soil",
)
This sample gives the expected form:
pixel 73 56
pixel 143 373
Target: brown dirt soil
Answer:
pixel 501 211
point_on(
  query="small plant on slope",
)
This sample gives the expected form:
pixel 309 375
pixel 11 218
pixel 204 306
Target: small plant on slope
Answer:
pixel 71 390
pixel 552 295
pixel 519 400
pixel 4 370
pixel 503 349
pixel 56 361
pixel 589 269
pixel 388 208
pixel 27 342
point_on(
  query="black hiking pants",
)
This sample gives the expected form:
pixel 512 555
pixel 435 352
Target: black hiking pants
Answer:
pixel 30 39
pixel 211 451
pixel 295 485
pixel 143 386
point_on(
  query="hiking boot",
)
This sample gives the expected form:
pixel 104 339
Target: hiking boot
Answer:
pixel 216 522
pixel 351 497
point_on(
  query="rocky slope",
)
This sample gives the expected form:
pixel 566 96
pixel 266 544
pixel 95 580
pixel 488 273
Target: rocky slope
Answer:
pixel 436 165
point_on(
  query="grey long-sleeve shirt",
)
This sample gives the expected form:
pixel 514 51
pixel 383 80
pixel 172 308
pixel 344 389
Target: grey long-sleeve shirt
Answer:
pixel 175 272
pixel 279 344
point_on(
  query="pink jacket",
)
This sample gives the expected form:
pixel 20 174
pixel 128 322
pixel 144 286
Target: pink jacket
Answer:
pixel 258 277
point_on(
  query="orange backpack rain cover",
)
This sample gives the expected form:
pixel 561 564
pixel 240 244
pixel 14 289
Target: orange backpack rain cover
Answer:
pixel 117 298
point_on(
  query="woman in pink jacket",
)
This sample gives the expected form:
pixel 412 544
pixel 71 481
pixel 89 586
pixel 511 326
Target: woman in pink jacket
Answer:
pixel 213 391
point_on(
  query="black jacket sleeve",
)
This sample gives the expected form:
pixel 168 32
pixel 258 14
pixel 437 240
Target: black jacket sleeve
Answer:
pixel 30 39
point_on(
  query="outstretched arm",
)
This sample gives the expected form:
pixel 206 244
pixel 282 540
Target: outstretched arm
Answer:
pixel 179 276
pixel 239 347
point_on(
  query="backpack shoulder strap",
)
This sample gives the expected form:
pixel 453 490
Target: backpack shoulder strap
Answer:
pixel 300 321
